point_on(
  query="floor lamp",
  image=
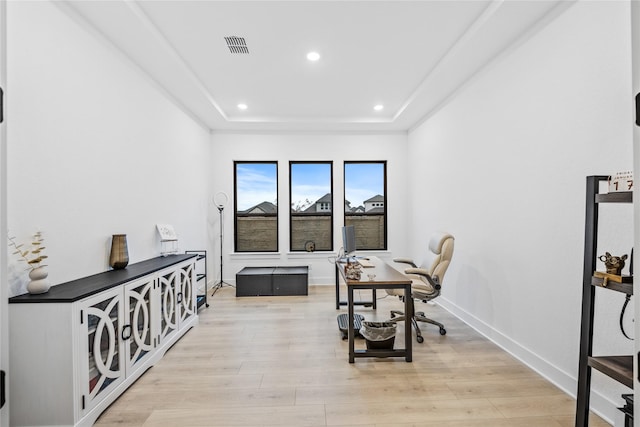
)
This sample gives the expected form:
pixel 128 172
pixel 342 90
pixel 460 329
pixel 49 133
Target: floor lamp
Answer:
pixel 220 200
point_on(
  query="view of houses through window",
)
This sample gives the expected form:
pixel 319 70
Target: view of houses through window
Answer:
pixel 311 198
pixel 365 185
pixel 256 206
pixel 311 205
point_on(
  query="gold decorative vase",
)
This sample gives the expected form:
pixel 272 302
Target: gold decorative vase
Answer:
pixel 119 257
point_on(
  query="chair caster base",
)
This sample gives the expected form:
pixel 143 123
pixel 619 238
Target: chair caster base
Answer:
pixel 419 339
pixel 443 331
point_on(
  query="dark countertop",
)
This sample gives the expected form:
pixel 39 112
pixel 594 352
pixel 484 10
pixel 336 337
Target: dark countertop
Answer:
pixel 81 288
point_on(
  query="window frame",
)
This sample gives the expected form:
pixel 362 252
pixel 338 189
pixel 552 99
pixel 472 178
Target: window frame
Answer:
pixel 330 214
pixel 235 206
pixel 385 223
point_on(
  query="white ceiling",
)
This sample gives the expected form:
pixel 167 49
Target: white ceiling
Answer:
pixel 410 56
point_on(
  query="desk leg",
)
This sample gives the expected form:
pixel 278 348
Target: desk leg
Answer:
pixel 351 332
pixel 408 332
pixel 337 288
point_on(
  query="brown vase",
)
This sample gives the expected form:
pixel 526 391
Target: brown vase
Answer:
pixel 119 257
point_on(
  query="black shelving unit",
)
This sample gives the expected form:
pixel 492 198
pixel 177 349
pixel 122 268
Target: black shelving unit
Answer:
pixel 201 274
pixel 618 367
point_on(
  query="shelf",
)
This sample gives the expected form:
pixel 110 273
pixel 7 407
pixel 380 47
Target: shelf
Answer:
pixel 618 197
pixel 626 288
pixel 200 301
pixel 201 275
pixel 620 368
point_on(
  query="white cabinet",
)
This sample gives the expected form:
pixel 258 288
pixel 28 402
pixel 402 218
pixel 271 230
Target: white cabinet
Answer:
pixel 75 349
pixel 142 313
pixel 186 292
pixel 101 367
pixel 177 299
pixel 118 326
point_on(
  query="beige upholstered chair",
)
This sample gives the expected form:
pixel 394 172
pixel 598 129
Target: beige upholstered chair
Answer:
pixel 426 279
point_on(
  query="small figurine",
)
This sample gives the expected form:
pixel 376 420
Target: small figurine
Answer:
pixel 353 270
pixel 614 264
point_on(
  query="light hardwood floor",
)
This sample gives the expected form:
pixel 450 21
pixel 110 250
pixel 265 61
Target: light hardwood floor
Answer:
pixel 280 361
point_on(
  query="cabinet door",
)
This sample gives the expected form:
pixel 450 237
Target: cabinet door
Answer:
pixel 186 294
pixel 169 316
pixel 102 358
pixel 139 330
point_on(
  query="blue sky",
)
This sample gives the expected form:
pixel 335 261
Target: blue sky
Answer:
pixel 257 182
pixel 363 181
pixel 309 181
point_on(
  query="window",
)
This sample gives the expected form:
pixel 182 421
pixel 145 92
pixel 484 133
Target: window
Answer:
pixel 256 206
pixel 365 203
pixel 311 212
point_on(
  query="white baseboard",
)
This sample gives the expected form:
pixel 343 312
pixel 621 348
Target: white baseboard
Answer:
pixel 600 404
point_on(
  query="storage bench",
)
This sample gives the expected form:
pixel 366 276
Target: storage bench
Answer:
pixel 272 281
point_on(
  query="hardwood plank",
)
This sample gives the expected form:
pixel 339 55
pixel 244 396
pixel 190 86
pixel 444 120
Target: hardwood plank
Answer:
pixel 280 361
pixel 413 410
pixel 303 416
pixel 514 407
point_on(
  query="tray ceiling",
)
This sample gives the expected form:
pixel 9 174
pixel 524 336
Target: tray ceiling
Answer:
pixel 411 57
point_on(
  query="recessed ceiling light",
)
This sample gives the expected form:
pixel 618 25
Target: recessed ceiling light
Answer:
pixel 242 106
pixel 313 56
pixel 379 107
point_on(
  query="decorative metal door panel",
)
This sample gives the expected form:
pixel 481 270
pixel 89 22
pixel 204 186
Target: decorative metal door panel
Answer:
pixel 137 335
pixel 169 308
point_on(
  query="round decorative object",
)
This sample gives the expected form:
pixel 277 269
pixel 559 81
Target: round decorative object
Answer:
pixel 39 283
pixel 310 246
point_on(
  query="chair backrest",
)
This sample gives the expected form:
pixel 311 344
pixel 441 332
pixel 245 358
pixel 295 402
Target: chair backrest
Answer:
pixel 439 255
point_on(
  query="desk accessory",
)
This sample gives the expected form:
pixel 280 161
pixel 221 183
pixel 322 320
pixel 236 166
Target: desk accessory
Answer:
pixel 614 266
pixel 352 270
pixel 621 181
pixel 168 239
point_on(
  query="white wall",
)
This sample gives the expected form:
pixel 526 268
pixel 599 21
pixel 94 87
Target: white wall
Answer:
pixel 94 149
pixel 505 164
pixel 230 147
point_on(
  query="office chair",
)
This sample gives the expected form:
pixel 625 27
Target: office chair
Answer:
pixel 426 279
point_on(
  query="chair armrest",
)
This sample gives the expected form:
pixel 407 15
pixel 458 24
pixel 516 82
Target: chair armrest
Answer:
pixel 433 281
pixel 405 261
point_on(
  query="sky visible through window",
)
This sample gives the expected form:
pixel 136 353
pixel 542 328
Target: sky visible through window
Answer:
pixel 309 182
pixel 257 182
pixel 362 181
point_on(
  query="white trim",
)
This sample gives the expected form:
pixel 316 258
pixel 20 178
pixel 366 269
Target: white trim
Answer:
pixel 534 29
pixel 480 22
pixel 72 13
pixel 305 132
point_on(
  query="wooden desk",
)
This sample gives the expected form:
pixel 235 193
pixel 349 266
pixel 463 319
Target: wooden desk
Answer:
pixel 386 278
pixel 371 303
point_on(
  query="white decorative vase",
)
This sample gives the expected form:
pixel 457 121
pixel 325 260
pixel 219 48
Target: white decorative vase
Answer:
pixel 39 283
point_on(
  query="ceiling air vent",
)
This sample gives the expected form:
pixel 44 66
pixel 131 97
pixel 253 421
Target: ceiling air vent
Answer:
pixel 237 44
